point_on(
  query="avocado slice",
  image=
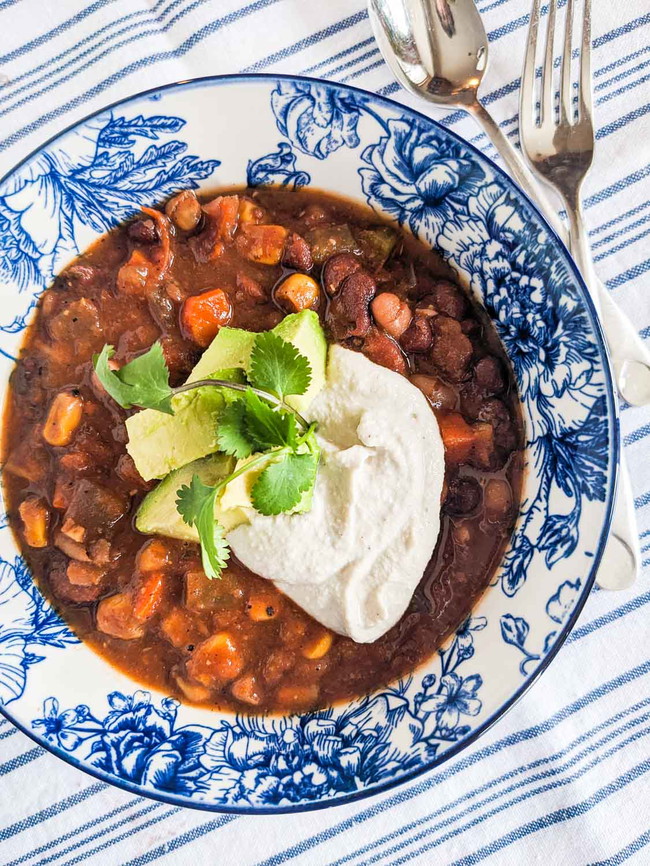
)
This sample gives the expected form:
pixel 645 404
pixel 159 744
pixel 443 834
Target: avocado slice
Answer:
pixel 160 443
pixel 157 514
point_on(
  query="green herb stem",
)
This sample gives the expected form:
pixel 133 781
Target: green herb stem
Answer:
pixel 237 386
pixel 251 464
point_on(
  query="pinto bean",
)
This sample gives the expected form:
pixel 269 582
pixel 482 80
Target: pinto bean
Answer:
pixel 382 349
pixel 348 314
pixel 449 299
pixel 184 210
pixel 297 253
pixel 391 313
pixel 418 337
pixel 439 394
pixel 337 268
pixel 452 350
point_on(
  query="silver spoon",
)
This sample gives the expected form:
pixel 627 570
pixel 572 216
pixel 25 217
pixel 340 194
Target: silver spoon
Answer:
pixel 438 50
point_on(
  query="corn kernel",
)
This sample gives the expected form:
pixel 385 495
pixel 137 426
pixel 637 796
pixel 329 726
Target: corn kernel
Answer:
pixel 319 647
pixel 36 518
pixel 63 419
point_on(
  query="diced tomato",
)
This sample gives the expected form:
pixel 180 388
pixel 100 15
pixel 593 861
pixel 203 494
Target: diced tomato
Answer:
pixel 204 315
pixel 223 214
pixel 263 244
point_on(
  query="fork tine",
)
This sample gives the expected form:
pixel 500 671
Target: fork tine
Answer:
pixel 586 107
pixel 527 89
pixel 566 106
pixel 548 90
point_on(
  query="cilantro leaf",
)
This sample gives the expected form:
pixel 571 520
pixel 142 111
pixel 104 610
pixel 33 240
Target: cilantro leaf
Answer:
pixel 143 382
pixel 232 435
pixel 277 366
pixel 195 504
pixel 281 484
pixel 267 427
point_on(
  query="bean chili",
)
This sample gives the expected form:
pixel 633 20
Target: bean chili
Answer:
pixel 246 258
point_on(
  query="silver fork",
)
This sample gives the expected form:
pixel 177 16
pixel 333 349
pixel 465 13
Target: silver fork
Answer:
pixel 561 152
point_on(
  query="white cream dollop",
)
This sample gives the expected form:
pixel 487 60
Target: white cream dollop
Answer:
pixel 355 559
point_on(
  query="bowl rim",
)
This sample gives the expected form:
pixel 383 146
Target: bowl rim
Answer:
pixel 615 445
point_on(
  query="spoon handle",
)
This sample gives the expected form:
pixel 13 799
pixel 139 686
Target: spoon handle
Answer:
pixel 620 564
pixel 630 357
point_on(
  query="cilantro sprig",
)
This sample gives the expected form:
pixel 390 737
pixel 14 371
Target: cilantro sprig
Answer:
pixel 258 427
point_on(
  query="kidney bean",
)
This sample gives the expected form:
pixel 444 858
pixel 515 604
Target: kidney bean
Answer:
pixel 449 299
pixel 250 290
pixel 463 495
pixel 382 349
pixel 297 253
pixel 143 232
pixel 348 314
pixel 452 350
pixel 488 375
pixel 336 269
pixel 418 337
pixel 391 313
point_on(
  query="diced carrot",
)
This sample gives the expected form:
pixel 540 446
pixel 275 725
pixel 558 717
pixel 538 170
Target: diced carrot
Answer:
pixel 297 697
pixel 148 596
pixel 483 445
pixel 217 660
pixel 457 436
pixel 204 315
pixel 63 418
pixel 154 556
pixel 263 244
pixel 262 607
pixel 223 214
pixel 36 520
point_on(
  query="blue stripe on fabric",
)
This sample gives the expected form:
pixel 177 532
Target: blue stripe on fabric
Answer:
pixel 607 618
pixel 637 83
pixel 9 733
pixel 614 188
pixel 643 500
pixel 148 807
pixel 502 807
pixel 89 825
pixel 620 61
pixel 622 245
pixel 6 4
pixel 621 75
pixel 618 219
pixel 622 231
pixel 365 69
pixel 61 28
pixel 335 71
pixel 466 797
pixel 645 333
pixel 625 853
pixel 114 841
pixel 308 41
pixel 180 841
pixel 21 760
pixel 560 815
pixel 630 274
pixel 439 776
pixel 77 55
pixel 620 122
pixel 155 31
pixel 345 53
pixel 51 811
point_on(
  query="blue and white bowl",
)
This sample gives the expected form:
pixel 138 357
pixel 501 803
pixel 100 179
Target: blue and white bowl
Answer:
pixel 298 131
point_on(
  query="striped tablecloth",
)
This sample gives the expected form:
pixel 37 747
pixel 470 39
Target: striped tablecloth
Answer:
pixel 563 778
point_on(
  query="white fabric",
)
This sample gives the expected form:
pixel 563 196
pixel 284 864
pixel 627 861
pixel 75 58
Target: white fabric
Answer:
pixel 563 778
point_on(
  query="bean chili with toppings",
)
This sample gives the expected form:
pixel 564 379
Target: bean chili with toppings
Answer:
pixel 246 259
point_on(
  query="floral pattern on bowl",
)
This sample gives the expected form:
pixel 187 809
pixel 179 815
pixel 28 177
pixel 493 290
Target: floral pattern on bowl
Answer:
pixel 294 132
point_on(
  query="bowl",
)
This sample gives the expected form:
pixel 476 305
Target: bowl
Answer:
pixel 296 131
